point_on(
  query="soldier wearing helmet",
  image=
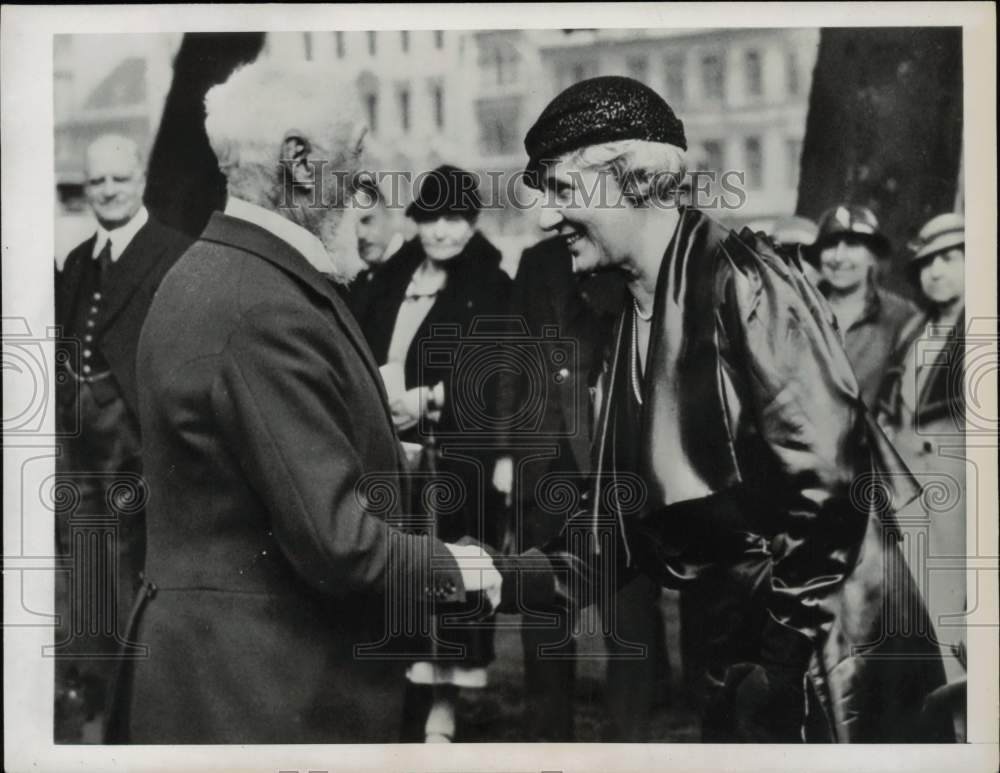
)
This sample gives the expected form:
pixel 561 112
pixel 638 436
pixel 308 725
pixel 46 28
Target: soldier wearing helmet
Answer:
pixel 847 251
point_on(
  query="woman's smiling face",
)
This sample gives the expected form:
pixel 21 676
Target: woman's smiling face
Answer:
pixel 445 237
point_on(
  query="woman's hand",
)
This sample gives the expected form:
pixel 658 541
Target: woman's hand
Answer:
pixel 408 408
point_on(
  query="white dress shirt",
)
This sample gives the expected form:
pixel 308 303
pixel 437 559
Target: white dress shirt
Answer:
pixel 120 238
pixel 296 236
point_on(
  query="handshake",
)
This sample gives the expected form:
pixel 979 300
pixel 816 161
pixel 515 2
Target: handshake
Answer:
pixel 479 574
pixel 566 573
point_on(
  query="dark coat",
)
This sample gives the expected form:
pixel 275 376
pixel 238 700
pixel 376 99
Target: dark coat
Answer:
pixel 264 417
pixel 577 315
pixel 477 289
pixel 941 401
pixel 870 338
pixel 764 481
pixel 477 292
pixel 358 294
pixel 137 273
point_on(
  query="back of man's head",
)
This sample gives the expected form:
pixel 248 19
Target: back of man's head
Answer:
pixel 263 109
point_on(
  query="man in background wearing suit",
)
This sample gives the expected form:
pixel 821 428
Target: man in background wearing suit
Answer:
pixel 102 295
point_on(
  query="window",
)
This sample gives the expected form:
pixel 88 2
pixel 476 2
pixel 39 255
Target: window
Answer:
pixel 499 64
pixel 404 40
pixel 792 73
pixel 404 108
pixel 638 68
pixel 371 111
pixel 307 45
pixel 675 78
pixel 713 77
pixel 793 160
pixel 713 156
pixel 371 44
pixel 754 74
pixel 573 72
pixel 338 38
pixel 438 39
pixel 437 97
pixel 498 128
pixel 754 157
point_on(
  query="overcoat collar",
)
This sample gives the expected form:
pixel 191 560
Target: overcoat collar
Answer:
pixel 686 447
pixel 250 237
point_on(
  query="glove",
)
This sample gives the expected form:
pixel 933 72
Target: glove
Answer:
pixel 588 568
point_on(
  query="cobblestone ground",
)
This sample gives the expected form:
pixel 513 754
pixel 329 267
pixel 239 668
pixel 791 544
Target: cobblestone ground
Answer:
pixel 496 712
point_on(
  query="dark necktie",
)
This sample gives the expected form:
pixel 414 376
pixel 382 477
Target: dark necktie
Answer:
pixel 104 263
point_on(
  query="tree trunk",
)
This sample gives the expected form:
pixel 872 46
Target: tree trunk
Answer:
pixel 885 129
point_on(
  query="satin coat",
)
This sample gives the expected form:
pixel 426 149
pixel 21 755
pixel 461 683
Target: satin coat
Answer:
pixel 764 478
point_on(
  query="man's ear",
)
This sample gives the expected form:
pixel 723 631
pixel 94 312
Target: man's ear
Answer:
pixel 295 152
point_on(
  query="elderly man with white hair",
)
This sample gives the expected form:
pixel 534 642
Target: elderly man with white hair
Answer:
pixel 731 443
pixel 274 567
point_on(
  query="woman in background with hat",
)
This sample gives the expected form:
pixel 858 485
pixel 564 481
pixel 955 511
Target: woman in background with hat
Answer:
pixel 922 408
pixel 847 250
pixel 449 274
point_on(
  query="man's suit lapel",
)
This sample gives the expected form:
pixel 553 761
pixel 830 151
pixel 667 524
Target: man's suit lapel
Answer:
pixel 129 271
pixel 261 242
pixel 69 279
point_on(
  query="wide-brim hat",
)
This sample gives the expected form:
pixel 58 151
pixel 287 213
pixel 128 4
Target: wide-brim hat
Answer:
pixel 850 221
pixel 446 190
pixel 939 234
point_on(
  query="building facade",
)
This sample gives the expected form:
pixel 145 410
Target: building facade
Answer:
pixel 468 98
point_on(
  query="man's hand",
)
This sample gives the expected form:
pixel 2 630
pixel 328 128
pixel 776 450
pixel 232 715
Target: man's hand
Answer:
pixel 478 571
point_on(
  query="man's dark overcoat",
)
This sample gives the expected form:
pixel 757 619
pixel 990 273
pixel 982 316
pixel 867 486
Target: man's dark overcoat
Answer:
pixel 270 457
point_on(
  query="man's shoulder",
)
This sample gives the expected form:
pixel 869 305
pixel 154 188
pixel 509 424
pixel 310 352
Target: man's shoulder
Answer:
pixel 167 238
pixel 84 249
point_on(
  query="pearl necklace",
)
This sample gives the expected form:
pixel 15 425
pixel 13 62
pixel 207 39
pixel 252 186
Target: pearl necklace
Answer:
pixel 636 387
